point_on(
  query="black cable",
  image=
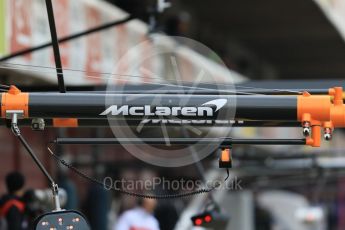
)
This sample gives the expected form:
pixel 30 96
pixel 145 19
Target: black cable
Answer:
pixel 200 168
pixel 227 174
pixel 134 194
pixel 34 157
pixel 177 141
pixel 17 133
pixel 66 38
pixel 55 43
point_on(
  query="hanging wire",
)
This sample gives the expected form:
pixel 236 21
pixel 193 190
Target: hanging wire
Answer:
pixel 73 70
pixel 36 68
pixel 118 76
pixel 67 38
pixel 227 174
pixel 134 194
pixel 276 90
pixel 144 82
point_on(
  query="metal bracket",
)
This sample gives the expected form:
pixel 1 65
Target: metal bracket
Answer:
pixel 14 115
pixel 55 190
pixel 10 113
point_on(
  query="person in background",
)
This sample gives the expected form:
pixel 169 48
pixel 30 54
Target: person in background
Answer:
pixel 97 207
pixel 12 207
pixel 167 214
pixel 139 218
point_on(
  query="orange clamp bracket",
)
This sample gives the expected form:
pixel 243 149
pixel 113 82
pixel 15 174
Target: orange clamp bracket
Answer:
pixel 14 99
pixel 321 111
pixel 65 122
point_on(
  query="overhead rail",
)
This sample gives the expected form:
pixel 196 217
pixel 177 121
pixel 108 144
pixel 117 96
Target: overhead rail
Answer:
pixel 314 112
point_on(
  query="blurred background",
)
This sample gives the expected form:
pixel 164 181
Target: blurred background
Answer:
pixel 265 44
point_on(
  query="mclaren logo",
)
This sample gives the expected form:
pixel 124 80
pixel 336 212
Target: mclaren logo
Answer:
pixel 206 109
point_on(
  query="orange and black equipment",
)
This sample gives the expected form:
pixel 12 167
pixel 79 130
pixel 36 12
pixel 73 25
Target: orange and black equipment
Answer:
pixel 210 219
pixel 225 159
pixel 202 220
pixel 315 113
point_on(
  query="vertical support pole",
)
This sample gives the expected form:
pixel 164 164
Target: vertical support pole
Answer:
pixel 56 49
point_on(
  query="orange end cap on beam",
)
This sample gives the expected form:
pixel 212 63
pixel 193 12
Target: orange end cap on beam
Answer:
pixel 318 107
pixel 14 99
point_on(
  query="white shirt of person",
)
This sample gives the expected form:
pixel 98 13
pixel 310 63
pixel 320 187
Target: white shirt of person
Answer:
pixel 136 219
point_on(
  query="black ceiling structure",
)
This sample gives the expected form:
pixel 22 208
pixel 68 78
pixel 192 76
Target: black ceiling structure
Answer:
pixel 292 35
